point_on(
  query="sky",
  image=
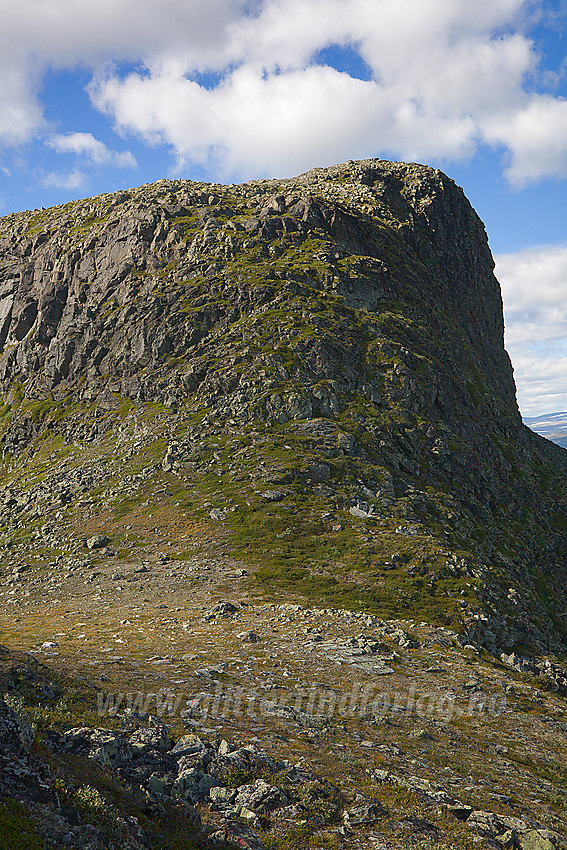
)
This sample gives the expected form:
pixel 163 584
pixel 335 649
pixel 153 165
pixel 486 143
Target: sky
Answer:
pixel 99 95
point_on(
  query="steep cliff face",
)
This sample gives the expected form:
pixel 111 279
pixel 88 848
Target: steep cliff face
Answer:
pixel 115 285
pixel 339 336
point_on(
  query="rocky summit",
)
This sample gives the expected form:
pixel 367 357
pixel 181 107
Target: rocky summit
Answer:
pixel 281 565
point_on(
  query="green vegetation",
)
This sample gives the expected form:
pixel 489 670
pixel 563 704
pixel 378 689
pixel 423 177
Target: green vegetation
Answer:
pixel 17 831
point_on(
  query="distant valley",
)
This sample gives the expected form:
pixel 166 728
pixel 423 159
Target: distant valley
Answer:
pixel 552 426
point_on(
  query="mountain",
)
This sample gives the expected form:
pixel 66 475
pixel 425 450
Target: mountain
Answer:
pixel 337 337
pixel 552 426
pixel 236 413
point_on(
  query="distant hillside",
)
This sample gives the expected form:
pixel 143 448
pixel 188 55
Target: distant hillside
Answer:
pixel 553 426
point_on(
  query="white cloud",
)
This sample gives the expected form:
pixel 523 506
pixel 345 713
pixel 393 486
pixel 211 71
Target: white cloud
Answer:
pixel 85 144
pixel 536 137
pixel 20 111
pixel 442 74
pixel 65 34
pixel 534 289
pixel 70 180
pixel 447 75
pixel 250 123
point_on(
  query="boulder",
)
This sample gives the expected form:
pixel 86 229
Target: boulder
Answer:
pixel 260 797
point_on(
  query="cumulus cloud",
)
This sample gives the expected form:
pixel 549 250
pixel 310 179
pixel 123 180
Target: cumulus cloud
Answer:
pixel 442 75
pixel 68 180
pixel 65 34
pixel 250 123
pixel 446 76
pixel 534 287
pixel 20 111
pixel 536 137
pixel 85 144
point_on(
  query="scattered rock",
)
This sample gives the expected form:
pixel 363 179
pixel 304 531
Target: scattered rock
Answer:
pixel 248 636
pixel 362 510
pixel 238 834
pixel 260 797
pixel 244 761
pixel 364 813
pixel 220 611
pixel 154 737
pixel 273 495
pixel 98 541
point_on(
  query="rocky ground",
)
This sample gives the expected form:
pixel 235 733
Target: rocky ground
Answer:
pixel 357 731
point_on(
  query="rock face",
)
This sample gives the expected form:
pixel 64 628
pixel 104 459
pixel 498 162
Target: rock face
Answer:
pixel 350 315
pixel 119 285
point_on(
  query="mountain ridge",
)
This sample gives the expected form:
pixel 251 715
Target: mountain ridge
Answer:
pixel 353 309
pixel 263 440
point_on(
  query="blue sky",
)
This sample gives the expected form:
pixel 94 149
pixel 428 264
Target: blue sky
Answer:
pixel 100 96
